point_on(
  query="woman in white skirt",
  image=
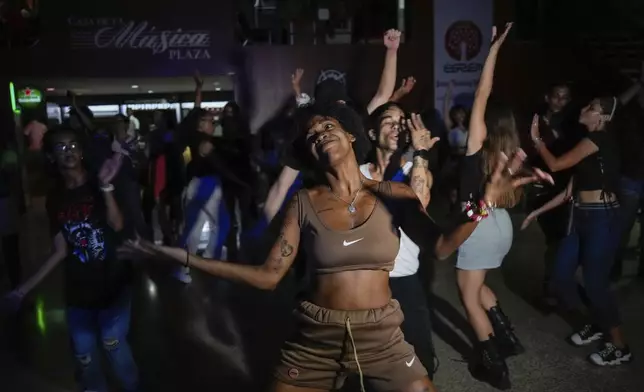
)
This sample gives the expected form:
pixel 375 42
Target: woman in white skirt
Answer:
pixel 492 132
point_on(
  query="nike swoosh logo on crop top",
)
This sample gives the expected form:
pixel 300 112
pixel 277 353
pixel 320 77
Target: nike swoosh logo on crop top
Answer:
pixel 410 362
pixel 348 243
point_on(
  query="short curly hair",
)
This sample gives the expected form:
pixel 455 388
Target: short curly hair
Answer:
pixel 349 120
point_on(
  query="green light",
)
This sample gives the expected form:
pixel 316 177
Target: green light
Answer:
pixel 40 316
pixel 12 93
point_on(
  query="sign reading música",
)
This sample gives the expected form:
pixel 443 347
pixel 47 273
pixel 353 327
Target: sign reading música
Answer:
pixel 462 35
pixel 174 43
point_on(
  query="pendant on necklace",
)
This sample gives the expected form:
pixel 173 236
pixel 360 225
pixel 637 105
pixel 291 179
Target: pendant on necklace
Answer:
pixel 352 209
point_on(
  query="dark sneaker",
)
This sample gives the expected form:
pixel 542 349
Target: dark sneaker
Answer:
pixel 610 355
pixel 588 334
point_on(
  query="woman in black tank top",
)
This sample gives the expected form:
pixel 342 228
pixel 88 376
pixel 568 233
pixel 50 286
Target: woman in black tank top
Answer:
pixel 349 316
pixel 593 232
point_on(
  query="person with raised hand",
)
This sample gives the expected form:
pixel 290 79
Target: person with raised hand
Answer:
pixel 593 232
pixel 328 92
pixel 492 134
pixel 87 226
pixel 346 225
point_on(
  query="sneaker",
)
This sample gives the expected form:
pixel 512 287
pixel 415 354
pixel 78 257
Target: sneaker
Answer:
pixel 586 335
pixel 610 355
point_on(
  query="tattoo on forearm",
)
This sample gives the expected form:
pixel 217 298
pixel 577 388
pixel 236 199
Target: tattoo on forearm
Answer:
pixel 420 163
pixel 275 264
pixel 419 186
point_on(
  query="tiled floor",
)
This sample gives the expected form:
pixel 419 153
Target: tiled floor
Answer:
pixel 183 342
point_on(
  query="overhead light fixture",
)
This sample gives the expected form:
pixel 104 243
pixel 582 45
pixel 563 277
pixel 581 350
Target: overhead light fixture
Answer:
pixel 150 91
pixel 135 86
pixel 51 89
pixel 217 88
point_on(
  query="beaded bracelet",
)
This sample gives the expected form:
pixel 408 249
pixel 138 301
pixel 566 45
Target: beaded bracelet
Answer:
pixel 477 211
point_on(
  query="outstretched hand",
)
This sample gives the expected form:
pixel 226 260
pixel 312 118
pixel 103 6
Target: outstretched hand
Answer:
pixel 296 78
pixel 137 249
pixel 529 219
pixel 421 137
pixel 392 39
pixel 498 41
pixel 508 176
pixel 407 84
pixel 110 168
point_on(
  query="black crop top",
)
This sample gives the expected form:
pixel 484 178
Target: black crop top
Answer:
pixel 471 176
pixel 599 171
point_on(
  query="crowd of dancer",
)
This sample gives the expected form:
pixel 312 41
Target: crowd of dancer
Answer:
pixel 350 186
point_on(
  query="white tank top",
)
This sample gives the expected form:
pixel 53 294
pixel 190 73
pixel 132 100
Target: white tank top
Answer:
pixel 406 263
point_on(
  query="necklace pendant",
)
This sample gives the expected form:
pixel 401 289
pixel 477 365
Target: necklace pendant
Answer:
pixel 352 209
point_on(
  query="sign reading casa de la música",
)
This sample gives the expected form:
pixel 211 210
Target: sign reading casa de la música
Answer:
pixel 173 43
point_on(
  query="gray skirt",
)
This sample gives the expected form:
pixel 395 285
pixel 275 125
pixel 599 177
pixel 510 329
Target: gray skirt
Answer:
pixel 489 243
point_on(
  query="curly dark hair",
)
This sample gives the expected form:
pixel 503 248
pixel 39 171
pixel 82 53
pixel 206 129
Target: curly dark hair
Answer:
pixel 349 120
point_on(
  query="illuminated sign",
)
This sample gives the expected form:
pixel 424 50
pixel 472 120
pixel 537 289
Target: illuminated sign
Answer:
pixel 117 33
pixel 29 97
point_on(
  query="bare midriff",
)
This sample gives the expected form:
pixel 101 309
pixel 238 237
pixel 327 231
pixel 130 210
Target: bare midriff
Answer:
pixel 352 290
pixel 597 196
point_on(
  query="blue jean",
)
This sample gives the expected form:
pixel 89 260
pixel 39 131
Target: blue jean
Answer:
pixel 112 324
pixel 631 198
pixel 592 244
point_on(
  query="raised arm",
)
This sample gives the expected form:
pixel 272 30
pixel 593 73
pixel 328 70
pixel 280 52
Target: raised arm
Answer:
pixel 421 179
pixel 632 91
pixel 84 119
pixel 581 150
pixel 301 99
pixel 106 174
pixel 413 218
pixel 405 88
pixel 477 128
pixel 266 276
pixel 555 202
pixel 388 77
pixel 278 192
pixel 198 89
pixel 447 105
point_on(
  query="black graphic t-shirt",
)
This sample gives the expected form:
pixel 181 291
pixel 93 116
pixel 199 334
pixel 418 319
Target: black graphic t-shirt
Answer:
pixel 94 276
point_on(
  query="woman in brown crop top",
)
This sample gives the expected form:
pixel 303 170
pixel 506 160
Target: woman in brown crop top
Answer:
pixel 346 226
pixel 593 232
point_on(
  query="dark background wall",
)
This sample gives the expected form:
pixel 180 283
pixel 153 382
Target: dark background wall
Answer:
pixel 263 72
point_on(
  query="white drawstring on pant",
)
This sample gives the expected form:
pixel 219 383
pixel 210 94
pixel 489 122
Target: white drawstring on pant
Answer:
pixel 355 354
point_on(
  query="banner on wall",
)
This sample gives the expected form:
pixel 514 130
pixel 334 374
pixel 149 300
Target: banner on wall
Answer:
pixel 462 32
